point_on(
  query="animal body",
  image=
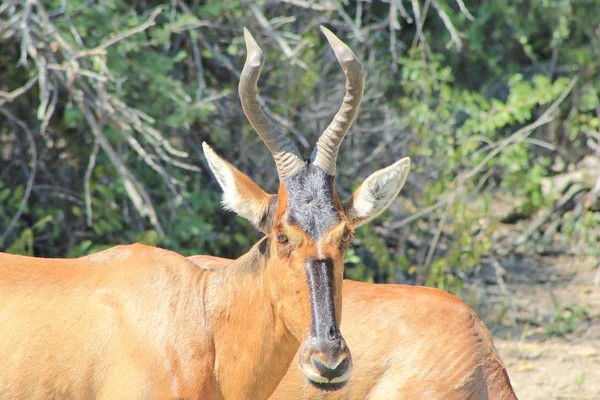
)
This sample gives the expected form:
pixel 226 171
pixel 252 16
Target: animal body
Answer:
pixel 407 342
pixel 410 342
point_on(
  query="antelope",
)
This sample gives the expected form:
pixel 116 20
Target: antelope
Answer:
pixel 136 322
pixel 411 342
pixel 408 342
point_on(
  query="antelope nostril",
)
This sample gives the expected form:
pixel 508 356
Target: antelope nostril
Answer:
pixel 330 371
pixel 331 333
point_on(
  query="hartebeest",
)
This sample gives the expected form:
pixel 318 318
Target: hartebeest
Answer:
pixel 407 342
pixel 139 322
pixel 411 342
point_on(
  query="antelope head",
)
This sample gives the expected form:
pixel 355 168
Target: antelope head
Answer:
pixel 307 226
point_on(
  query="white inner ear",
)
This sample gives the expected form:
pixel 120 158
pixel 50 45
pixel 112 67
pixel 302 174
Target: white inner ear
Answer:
pixel 377 192
pixel 232 200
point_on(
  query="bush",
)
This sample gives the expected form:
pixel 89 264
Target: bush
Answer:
pixel 98 100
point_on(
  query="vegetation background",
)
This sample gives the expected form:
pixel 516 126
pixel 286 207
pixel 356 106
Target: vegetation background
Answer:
pixel 104 106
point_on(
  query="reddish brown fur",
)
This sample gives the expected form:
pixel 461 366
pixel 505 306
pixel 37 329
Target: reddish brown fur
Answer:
pixel 258 201
pixel 136 322
pixel 282 200
pixel 248 189
pixel 115 324
pixel 408 343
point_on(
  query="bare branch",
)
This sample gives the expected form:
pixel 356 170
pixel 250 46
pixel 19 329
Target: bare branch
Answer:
pixel 438 233
pixel 86 183
pixel 121 36
pixel 449 26
pixel 264 23
pixel 11 96
pixel 310 4
pixel 464 10
pixel 135 190
pixel 352 24
pixel 420 17
pixel 32 172
pixel 402 10
pixel 519 135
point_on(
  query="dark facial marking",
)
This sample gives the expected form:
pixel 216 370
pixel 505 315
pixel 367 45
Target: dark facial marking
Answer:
pixel 320 282
pixel 328 387
pixel 311 203
pixel 266 220
pixel 263 246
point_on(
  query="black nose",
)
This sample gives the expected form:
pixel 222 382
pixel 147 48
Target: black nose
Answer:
pixel 331 370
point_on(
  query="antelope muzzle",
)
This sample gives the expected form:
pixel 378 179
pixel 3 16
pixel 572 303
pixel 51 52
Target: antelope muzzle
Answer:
pixel 325 358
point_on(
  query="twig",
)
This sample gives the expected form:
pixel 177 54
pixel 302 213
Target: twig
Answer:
pixel 200 70
pixel 121 36
pixel 278 22
pixel 357 34
pixel 310 4
pixel 80 71
pixel 58 192
pixel 394 26
pixel 464 10
pixel 520 134
pixel 44 115
pixel 402 10
pixel 215 51
pixel 26 47
pixel 540 143
pixel 438 233
pixel 264 23
pixel 419 214
pixel 60 63
pixel 148 159
pixel 573 191
pixel 72 28
pixel 358 14
pixel 499 271
pixel 32 173
pixel 11 96
pixel 449 26
pixel 86 183
pixel 137 193
pixel 420 18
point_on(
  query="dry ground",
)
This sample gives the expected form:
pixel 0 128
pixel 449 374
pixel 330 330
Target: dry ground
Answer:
pixel 541 295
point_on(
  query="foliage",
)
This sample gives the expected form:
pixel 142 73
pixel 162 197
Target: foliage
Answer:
pixel 565 320
pixel 465 99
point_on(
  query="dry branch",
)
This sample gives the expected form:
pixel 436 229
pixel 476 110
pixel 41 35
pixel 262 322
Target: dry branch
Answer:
pixel 32 172
pixel 60 64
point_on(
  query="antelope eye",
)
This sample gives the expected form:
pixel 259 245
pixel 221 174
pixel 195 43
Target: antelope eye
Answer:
pixel 346 237
pixel 281 238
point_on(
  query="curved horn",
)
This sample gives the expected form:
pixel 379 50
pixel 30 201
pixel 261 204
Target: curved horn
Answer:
pixel 331 139
pixel 286 155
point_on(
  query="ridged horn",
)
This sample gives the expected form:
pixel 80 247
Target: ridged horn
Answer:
pixel 329 143
pixel 286 155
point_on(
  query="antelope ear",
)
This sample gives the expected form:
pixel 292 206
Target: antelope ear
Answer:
pixel 240 194
pixel 376 193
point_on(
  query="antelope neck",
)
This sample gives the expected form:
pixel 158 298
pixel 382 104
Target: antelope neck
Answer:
pixel 250 338
pixel 230 286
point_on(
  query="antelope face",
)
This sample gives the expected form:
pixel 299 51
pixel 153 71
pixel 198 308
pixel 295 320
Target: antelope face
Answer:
pixel 309 240
pixel 307 226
